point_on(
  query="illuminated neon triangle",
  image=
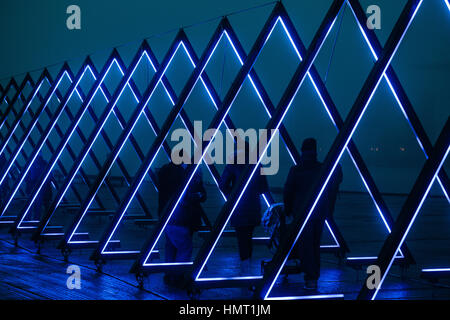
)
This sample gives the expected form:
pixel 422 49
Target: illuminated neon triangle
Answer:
pixel 11 85
pixel 191 55
pixel 43 140
pixel 410 210
pixel 82 138
pixel 24 110
pixel 57 128
pixel 73 127
pixel 172 116
pixel 99 81
pixel 114 154
pixel 218 119
pixel 105 96
pixel 18 121
pixel 26 136
pixel 399 94
pixel 215 103
pixel 171 96
pixel 18 115
pixel 15 115
pixel 279 20
pixel 151 121
pixel 377 205
pixel 119 145
pixel 322 99
pixel 18 93
pixel 396 88
pixel 265 286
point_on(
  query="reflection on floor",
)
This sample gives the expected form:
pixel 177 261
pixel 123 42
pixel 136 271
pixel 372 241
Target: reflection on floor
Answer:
pixel 26 275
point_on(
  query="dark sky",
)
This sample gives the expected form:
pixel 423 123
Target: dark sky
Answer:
pixel 34 35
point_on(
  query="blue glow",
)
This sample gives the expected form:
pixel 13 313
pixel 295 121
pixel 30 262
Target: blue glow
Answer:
pixel 206 149
pixel 36 153
pixel 403 111
pixel 436 270
pixel 331 231
pixel 30 204
pixel 344 147
pixel 396 96
pixel 121 252
pixel 265 199
pixel 67 140
pixel 26 108
pixel 362 258
pixel 141 178
pixel 128 133
pixel 332 119
pixel 447 2
pixel 257 164
pixel 169 95
pixel 411 223
pixel 24 138
pixel 169 263
pixel 17 122
pixel 312 297
pixel 231 278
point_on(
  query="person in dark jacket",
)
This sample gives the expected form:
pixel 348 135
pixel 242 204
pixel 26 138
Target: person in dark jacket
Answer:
pixel 299 180
pixel 247 214
pixel 43 199
pixel 186 218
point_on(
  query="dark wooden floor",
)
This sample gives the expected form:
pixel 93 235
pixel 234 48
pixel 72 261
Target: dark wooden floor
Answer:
pixel 26 275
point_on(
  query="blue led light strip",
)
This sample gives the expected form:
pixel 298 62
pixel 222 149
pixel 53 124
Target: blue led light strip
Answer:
pixel 172 97
pixel 11 83
pixel 16 123
pixel 410 209
pixel 398 92
pixel 42 141
pixel 269 107
pixel 17 116
pixel 274 123
pixel 41 131
pixel 218 119
pixel 216 101
pixel 340 143
pixel 76 166
pixel 13 100
pixel 121 122
pixel 75 122
pixel 81 96
pixel 170 119
pixel 13 110
pixel 152 123
pixel 33 122
pixel 24 129
pixel 122 139
pixel 104 117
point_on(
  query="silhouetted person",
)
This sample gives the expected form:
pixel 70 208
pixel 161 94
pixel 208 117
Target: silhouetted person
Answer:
pixel 247 214
pixel 44 197
pixel 299 181
pixel 185 219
